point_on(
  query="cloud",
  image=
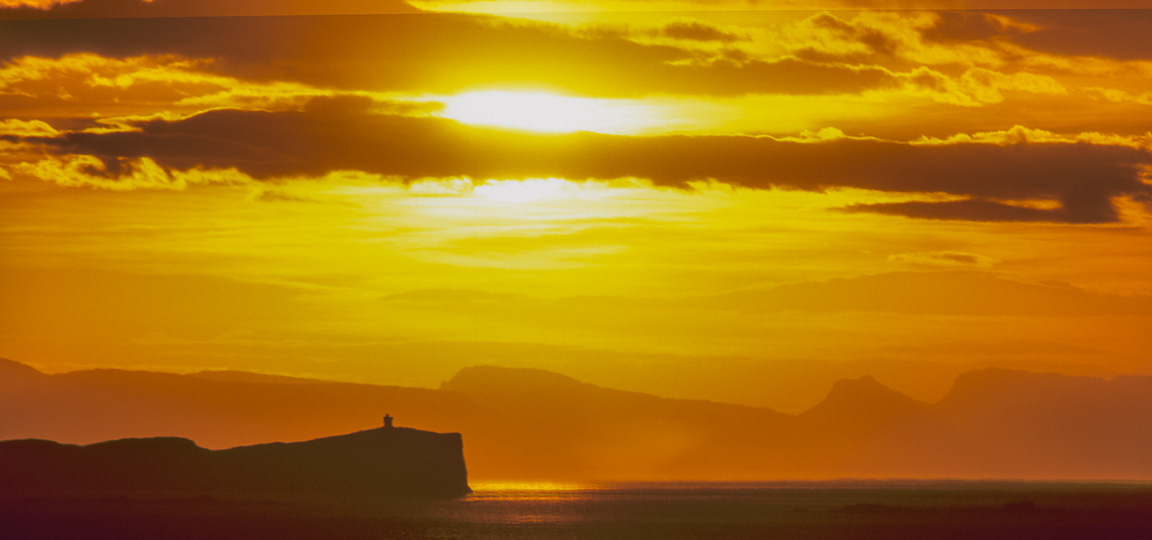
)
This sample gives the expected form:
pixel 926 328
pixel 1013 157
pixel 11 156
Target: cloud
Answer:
pixel 1021 134
pixel 112 92
pixel 985 210
pixel 1121 96
pixel 582 6
pixel 26 128
pixel 962 293
pixel 86 83
pixel 945 258
pixel 896 39
pixel 925 293
pixel 441 53
pixel 866 54
pixel 973 37
pixel 343 134
pixel 697 31
pixel 825 54
pixel 123 174
pixel 977 86
pixel 995 50
pixel 38 5
pixel 88 9
pixel 958 26
pixel 1118 34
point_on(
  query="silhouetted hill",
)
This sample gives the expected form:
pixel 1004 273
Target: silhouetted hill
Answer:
pixel 502 388
pixel 248 377
pixel 564 428
pixel 533 424
pixel 863 402
pixel 860 426
pixel 1050 422
pixel 995 423
pixel 384 461
pixel 10 369
pixel 218 411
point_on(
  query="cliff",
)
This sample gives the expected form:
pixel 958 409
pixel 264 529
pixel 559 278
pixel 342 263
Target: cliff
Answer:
pixel 384 461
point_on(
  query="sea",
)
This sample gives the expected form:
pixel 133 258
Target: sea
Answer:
pixel 852 509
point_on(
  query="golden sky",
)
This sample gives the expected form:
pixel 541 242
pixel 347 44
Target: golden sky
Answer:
pixel 694 199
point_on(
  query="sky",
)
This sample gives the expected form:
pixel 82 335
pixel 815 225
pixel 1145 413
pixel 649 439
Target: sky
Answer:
pixel 732 201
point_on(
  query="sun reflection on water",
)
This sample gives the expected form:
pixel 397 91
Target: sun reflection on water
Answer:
pixel 526 490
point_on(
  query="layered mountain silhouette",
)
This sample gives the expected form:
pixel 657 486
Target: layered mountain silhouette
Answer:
pixel 384 461
pixel 215 409
pixel 531 424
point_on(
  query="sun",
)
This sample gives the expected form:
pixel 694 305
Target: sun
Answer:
pixel 548 112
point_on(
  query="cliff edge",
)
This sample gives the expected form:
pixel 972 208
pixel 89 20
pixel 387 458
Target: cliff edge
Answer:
pixel 384 461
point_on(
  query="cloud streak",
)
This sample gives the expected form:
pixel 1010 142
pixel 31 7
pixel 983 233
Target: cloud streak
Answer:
pixel 88 9
pixel 444 53
pixel 342 133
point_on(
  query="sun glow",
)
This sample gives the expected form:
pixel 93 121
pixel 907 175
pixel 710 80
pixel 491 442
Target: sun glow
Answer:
pixel 530 191
pixel 542 111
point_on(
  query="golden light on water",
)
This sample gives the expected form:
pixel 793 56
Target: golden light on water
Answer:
pixel 528 486
pixel 549 113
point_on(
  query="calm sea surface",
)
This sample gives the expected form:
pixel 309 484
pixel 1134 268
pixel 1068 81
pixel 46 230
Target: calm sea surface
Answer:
pixel 787 510
pixel 804 510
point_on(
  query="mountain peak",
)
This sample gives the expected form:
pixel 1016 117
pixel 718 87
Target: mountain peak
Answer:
pixel 484 380
pixel 227 375
pixel 490 371
pixel 863 397
pixel 862 387
pixel 13 368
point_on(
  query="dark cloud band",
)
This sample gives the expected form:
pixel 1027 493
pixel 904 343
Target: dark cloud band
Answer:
pixel 434 53
pixel 339 134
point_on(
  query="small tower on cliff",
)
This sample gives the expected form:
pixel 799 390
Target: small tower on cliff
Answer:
pixel 387 420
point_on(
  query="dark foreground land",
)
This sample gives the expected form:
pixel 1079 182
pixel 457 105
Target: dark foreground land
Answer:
pixel 937 510
pixel 400 462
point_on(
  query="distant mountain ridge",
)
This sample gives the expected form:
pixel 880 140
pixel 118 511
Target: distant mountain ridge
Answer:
pixel 383 461
pixel 534 424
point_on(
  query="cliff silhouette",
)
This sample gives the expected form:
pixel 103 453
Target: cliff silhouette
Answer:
pixel 532 424
pixel 384 461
